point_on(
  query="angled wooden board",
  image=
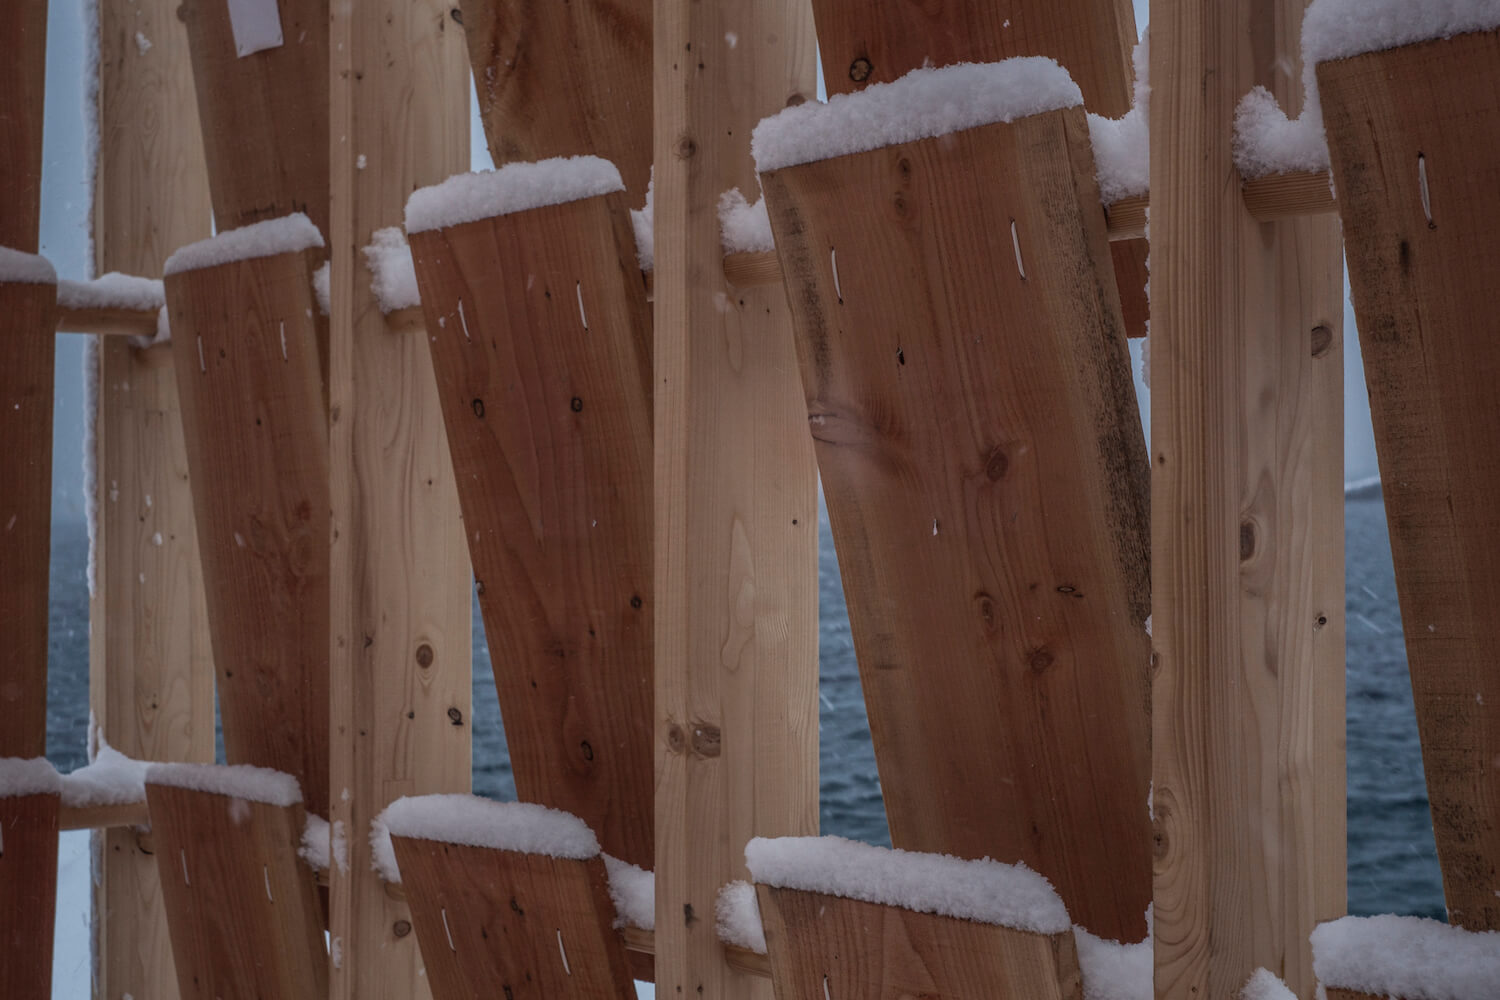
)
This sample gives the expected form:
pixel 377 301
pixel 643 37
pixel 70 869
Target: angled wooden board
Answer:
pixel 23 77
pixel 564 79
pixel 243 907
pixel 28 894
pixel 970 397
pixel 541 342
pixel 26 336
pixel 245 349
pixel 1414 135
pixel 846 949
pixel 496 923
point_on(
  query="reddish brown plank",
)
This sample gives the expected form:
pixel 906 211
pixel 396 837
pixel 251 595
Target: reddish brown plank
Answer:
pixel 28 893
pixel 245 351
pixel 26 332
pixel 496 923
pixel 23 73
pixel 1414 135
pixel 986 478
pixel 549 426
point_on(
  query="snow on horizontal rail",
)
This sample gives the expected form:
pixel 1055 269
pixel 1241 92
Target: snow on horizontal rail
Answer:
pixel 737 917
pixel 1115 971
pixel 479 822
pixel 1266 985
pixel 921 105
pixel 515 187
pixel 1122 146
pixel 110 779
pixel 633 891
pixel 985 891
pixel 27 776
pixel 744 226
pixel 238 781
pixel 1411 957
pixel 17 268
pixel 287 234
pixel 393 276
pixel 113 291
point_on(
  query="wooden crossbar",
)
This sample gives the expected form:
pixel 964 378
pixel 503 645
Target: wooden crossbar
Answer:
pixel 28 893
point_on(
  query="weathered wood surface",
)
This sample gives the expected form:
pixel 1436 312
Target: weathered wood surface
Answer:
pixel 736 492
pixel 243 907
pixel 28 894
pixel 969 392
pixel 564 79
pixel 863 44
pixel 245 350
pixel 1414 135
pixel 29 315
pixel 541 342
pixel 828 946
pixel 498 923
pixel 1247 509
pixel 401 632
pixel 151 674
pixel 23 78
pixel 1334 993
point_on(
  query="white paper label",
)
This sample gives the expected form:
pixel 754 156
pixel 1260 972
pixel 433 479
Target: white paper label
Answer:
pixel 256 25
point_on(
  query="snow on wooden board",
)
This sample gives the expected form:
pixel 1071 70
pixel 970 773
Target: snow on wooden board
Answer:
pixel 479 822
pixel 1410 957
pixel 237 781
pixel 737 917
pixel 921 105
pixel 1264 985
pixel 393 276
pixel 633 890
pixel 515 187
pixel 1122 146
pixel 1115 971
pixel 17 268
pixel 27 776
pixel 287 234
pixel 111 778
pixel 986 891
pixel 744 227
pixel 112 291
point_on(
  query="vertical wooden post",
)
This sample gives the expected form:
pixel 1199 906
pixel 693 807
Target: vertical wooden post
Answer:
pixel 736 500
pixel 1247 555
pixel 23 75
pixel 150 664
pixel 400 646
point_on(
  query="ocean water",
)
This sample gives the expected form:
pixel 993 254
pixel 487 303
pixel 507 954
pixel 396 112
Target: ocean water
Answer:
pixel 1392 859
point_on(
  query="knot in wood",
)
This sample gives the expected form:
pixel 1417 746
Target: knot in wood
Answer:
pixel 1322 340
pixel 860 70
pixel 686 148
pixel 997 465
pixel 401 928
pixel 676 739
pixel 706 740
pixel 1040 659
pixel 424 656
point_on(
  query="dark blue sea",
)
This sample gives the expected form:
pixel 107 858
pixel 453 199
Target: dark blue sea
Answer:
pixel 1392 860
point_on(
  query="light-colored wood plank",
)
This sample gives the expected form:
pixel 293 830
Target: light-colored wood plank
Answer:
pixel 564 79
pixel 28 894
pixel 246 355
pixel 29 315
pixel 641 942
pixel 987 480
pixel 1126 219
pixel 1289 196
pixel 128 814
pixel 108 322
pixel 400 646
pixel 823 945
pixel 150 662
pixel 498 923
pixel 1247 508
pixel 23 77
pixel 1415 138
pixel 736 492
pixel 541 342
pixel 244 911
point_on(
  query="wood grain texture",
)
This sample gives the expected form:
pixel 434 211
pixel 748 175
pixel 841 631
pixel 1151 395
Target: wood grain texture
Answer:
pixel 541 343
pixel 28 314
pixel 108 322
pixel 1247 525
pixel 736 493
pixel 845 949
pixel 244 911
pixel 23 79
pixel 1288 196
pixel 564 79
pixel 506 924
pixel 151 675
pixel 1334 993
pixel 245 349
pixel 1414 135
pixel 986 476
pixel 401 631
pixel 28 894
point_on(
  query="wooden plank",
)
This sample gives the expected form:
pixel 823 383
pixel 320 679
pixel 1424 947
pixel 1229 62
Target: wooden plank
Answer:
pixel 1334 993
pixel 243 908
pixel 246 354
pixel 541 343
pixel 974 417
pixel 151 677
pixel 29 312
pixel 643 943
pixel 498 923
pixel 23 79
pixel 130 814
pixel 1287 196
pixel 400 642
pixel 28 893
pixel 1247 525
pixel 108 322
pixel 736 492
pixel 828 946
pixel 563 79
pixel 1414 135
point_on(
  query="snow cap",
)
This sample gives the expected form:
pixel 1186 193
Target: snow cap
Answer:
pixel 113 291
pixel 633 890
pixel 1411 957
pixel 27 776
pixel 17 268
pixel 111 778
pixel 238 781
pixel 287 234
pixel 737 917
pixel 393 276
pixel 479 822
pixel 985 891
pixel 921 105
pixel 1338 29
pixel 515 187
